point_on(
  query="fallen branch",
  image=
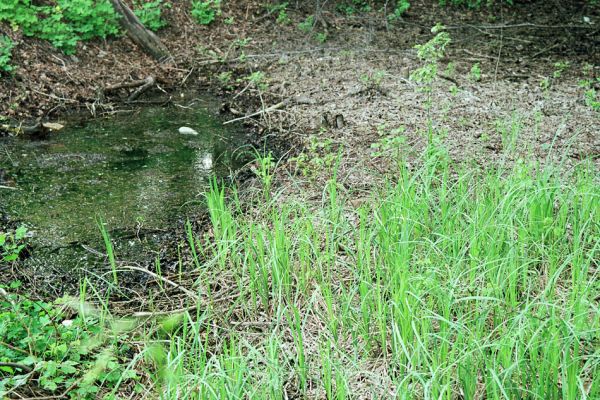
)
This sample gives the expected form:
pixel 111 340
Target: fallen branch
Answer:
pixel 149 82
pixel 144 38
pixel 260 112
pixel 281 104
pixel 24 368
pixel 156 276
pixel 142 85
pixel 150 314
pixel 38 129
pixel 524 25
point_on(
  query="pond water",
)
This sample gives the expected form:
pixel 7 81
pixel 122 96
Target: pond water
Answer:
pixel 133 171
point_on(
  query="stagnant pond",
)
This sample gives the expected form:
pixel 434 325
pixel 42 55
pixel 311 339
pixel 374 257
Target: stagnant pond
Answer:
pixel 133 171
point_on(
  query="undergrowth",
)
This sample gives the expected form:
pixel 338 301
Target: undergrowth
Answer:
pixel 447 282
pixel 64 23
pixel 6 46
pixel 451 282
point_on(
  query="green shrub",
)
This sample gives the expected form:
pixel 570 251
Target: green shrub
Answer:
pixel 307 24
pixel 63 24
pixel 149 14
pixel 6 46
pixel 205 12
pixel 64 353
pixel 353 7
pixel 402 6
pixel 12 243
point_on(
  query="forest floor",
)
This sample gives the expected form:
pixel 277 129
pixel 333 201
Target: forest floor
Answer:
pixel 510 80
pixel 508 90
pixel 360 71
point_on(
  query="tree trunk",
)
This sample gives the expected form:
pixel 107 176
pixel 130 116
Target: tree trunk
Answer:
pixel 143 37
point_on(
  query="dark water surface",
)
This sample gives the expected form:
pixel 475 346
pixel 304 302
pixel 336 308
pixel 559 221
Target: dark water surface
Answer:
pixel 134 171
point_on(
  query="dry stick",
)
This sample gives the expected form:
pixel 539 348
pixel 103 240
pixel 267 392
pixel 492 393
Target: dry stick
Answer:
pixel 524 25
pixel 156 276
pixel 126 85
pixel 260 112
pixel 149 83
pixel 10 346
pixel 539 53
pixel 7 187
pixel 143 314
pixel 58 396
pixel 479 55
pixel 24 368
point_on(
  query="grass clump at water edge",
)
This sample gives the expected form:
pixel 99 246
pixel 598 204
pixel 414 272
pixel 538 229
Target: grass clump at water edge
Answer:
pixel 481 284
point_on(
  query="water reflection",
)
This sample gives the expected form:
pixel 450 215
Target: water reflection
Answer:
pixel 125 169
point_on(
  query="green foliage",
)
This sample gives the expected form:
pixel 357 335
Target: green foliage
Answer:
pixel 475 73
pixel 402 6
pixel 318 156
pixel 372 79
pixel 308 23
pixel 281 11
pixel 63 24
pixel 467 282
pixel 149 14
pixel 12 243
pixel 64 353
pixel 258 79
pixel 266 164
pixel 207 11
pixel 559 68
pixel 430 53
pixel 592 97
pixel 6 46
pixel 389 141
pixel 225 79
pixel 353 7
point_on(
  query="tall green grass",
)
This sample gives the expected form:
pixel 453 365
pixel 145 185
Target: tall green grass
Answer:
pixel 450 282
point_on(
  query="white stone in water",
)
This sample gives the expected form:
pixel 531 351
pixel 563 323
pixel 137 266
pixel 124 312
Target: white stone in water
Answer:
pixel 184 130
pixel 204 162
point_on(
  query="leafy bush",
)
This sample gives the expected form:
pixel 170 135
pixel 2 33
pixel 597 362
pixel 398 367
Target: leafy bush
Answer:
pixel 307 24
pixel 63 24
pixel 6 46
pixel 73 354
pixel 12 243
pixel 150 15
pixel 205 12
pixel 402 6
pixel 592 97
pixel 353 7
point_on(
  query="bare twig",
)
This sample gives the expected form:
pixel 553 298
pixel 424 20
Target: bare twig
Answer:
pixel 524 25
pixel 24 368
pixel 260 112
pixel 539 53
pixel 170 282
pixel 150 314
pixel 148 83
